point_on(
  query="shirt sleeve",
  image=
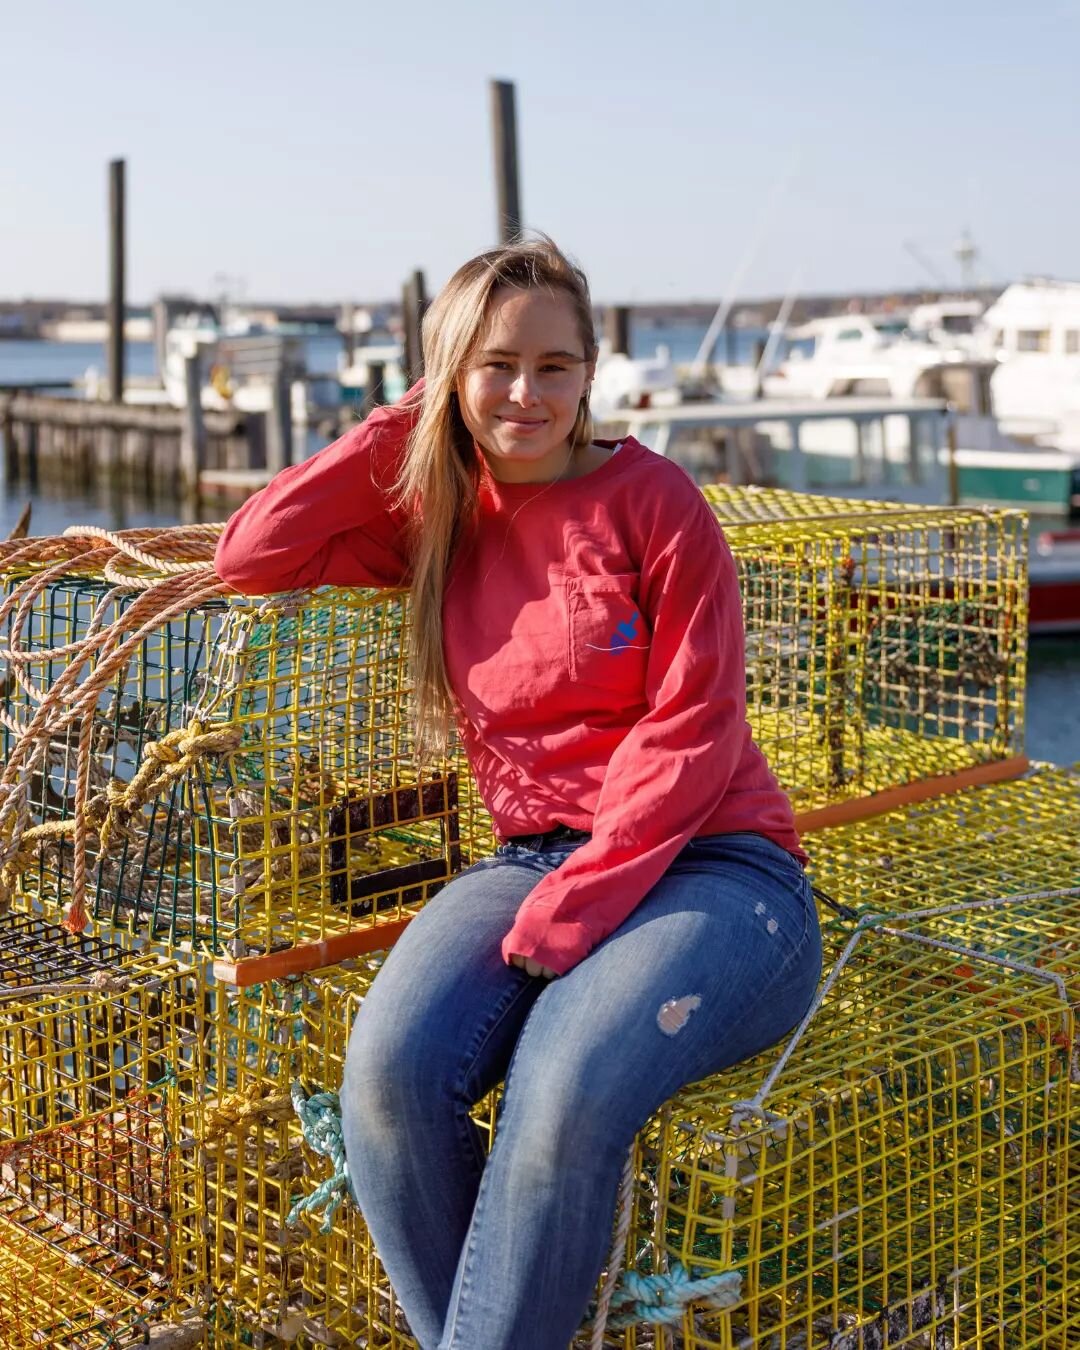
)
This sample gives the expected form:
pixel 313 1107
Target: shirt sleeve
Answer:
pixel 328 521
pixel 674 765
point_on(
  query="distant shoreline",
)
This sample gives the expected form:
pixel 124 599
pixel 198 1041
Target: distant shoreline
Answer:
pixel 25 319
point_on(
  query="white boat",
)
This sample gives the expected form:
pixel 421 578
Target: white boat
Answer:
pixel 373 361
pixel 859 355
pixel 953 324
pixel 623 381
pixel 1034 331
pixel 942 442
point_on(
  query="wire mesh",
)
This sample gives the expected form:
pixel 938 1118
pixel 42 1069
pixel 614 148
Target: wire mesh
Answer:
pixel 882 647
pixel 252 777
pixel 99 1187
pixel 904 1179
pixel 254 1169
pixel 1004 838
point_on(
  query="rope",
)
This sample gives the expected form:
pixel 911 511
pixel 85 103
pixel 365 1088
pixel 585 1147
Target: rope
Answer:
pixel 618 1248
pixel 181 577
pixel 320 1120
pixel 663 1299
pixel 164 763
pixel 236 1114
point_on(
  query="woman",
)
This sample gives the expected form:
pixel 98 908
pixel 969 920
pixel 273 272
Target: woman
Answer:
pixel 646 920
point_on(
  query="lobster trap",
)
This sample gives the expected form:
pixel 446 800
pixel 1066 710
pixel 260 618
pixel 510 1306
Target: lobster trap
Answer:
pixel 885 645
pixel 1010 838
pixel 241 779
pixel 100 1193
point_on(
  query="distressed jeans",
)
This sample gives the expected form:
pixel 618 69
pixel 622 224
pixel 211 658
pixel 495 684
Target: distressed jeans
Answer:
pixel 502 1252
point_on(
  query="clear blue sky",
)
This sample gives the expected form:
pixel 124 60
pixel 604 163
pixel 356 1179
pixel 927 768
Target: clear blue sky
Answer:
pixel 321 150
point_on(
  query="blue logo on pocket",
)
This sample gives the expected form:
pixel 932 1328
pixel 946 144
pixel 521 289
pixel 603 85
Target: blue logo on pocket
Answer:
pixel 626 633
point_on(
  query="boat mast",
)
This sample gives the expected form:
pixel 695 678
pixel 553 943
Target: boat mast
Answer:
pixel 701 361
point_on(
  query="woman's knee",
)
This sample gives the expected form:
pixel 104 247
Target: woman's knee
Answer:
pixel 391 1077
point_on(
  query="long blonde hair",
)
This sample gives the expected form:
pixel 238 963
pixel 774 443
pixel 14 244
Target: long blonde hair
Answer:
pixel 440 474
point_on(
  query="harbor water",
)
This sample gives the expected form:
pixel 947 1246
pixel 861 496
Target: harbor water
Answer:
pixel 1053 711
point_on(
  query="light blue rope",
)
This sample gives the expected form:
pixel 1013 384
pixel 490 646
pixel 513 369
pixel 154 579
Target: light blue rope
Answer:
pixel 320 1120
pixel 662 1299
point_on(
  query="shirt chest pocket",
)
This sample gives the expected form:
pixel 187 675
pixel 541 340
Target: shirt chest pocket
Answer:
pixel 608 635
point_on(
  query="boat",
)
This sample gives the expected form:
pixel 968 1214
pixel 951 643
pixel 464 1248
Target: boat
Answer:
pixel 240 360
pixel 1033 331
pixel 869 355
pixel 920 452
pixel 1054 577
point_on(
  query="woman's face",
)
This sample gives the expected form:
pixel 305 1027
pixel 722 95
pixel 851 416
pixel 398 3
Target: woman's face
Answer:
pixel 520 391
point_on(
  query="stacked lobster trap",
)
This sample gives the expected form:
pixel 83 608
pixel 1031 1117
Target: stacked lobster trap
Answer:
pixel 225 791
pixel 101 1192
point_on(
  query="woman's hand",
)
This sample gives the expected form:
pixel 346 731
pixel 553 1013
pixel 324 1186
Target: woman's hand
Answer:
pixel 531 967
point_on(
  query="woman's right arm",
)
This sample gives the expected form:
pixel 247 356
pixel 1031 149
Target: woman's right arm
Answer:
pixel 327 521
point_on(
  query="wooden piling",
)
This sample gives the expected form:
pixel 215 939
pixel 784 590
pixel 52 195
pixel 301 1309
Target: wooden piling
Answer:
pixel 375 387
pixel 413 305
pixel 193 434
pixel 116 306
pixel 348 332
pixel 617 328
pixel 279 437
pixel 504 135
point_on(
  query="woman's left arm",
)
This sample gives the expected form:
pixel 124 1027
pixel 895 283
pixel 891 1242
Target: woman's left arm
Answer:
pixel 674 765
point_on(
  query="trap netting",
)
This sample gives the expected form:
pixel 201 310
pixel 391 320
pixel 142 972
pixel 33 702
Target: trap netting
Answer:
pixel 101 1197
pixel 885 645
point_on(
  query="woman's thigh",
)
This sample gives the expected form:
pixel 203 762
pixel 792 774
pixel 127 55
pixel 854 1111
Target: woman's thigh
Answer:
pixel 445 1009
pixel 719 961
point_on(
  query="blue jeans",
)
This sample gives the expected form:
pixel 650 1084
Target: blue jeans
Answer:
pixel 502 1252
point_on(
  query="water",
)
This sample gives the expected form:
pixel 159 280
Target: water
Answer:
pixel 1053 713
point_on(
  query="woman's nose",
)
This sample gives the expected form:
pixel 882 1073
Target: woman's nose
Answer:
pixel 524 390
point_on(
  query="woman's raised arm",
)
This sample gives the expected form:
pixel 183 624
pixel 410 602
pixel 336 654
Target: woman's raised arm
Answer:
pixel 328 521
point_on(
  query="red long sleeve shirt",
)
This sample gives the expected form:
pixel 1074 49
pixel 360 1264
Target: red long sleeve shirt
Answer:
pixel 593 636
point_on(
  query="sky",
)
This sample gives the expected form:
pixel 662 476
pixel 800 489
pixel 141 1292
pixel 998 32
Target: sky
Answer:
pixel 323 150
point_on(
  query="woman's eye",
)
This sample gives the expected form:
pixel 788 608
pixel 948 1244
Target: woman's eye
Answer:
pixel 553 370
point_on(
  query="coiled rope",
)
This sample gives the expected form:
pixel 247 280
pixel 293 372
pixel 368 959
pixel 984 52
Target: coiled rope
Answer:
pixel 177 575
pixel 320 1121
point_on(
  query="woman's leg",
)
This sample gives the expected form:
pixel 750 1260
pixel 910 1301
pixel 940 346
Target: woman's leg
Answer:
pixel 720 960
pixel 434 1034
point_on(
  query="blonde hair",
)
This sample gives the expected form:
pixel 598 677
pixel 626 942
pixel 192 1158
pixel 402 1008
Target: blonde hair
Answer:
pixel 440 474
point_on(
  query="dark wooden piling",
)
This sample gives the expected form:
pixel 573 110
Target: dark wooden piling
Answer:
pixel 504 134
pixel 413 305
pixel 116 306
pixel 348 332
pixel 617 328
pixel 279 431
pixel 193 433
pixel 375 387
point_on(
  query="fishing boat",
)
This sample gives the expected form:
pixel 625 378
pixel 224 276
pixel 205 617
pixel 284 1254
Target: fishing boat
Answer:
pixel 1034 333
pixel 917 451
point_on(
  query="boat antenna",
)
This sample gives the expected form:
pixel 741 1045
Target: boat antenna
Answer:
pixel 701 361
pixel 778 327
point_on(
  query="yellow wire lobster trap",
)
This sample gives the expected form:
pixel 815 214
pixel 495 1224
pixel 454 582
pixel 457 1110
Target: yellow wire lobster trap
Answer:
pixel 101 1197
pixel 885 645
pixel 237 778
